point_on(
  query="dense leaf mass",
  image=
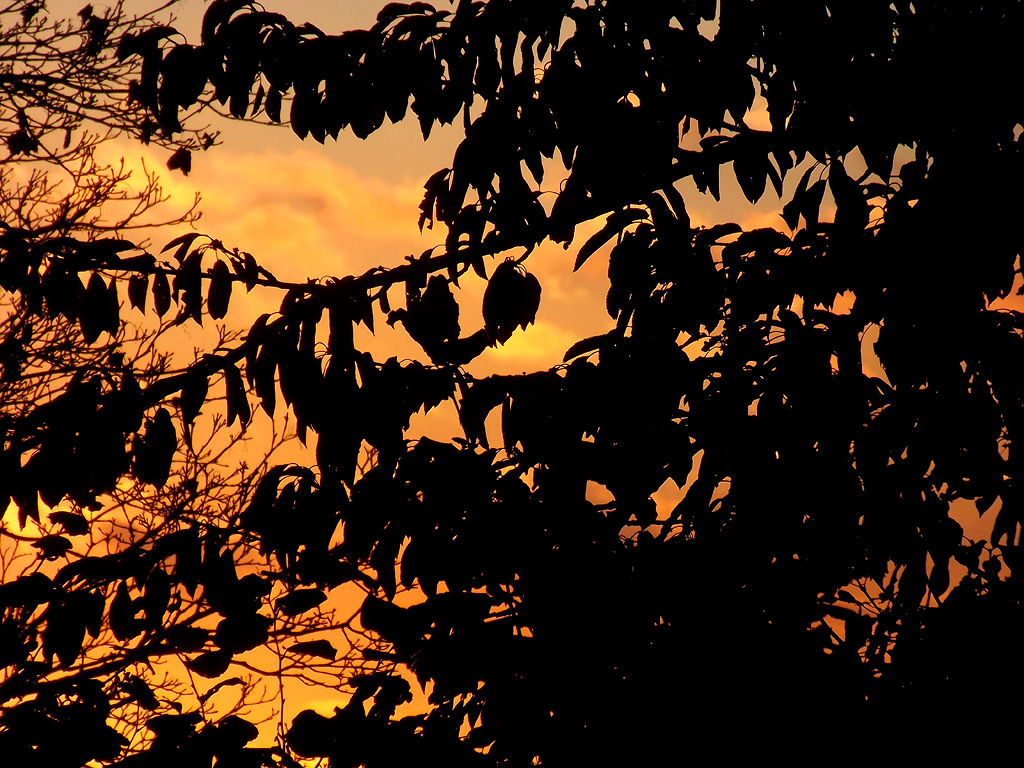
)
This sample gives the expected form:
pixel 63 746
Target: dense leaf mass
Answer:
pixel 828 395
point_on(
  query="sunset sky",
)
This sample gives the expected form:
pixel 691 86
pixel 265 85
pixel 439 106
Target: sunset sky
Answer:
pixel 307 211
pixel 310 211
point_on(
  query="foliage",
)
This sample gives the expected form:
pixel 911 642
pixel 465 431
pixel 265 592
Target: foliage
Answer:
pixel 122 530
pixel 63 94
pixel 804 583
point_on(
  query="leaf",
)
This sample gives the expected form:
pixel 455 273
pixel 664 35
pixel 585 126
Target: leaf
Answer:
pixel 237 399
pixel 52 547
pixel 193 395
pixel 792 210
pixel 511 299
pixel 392 11
pixel 257 102
pixel 266 364
pixel 72 522
pixel 153 452
pixel 27 501
pixel 138 287
pixel 112 316
pixel 613 225
pixel 180 160
pixel 811 204
pixel 253 340
pixel 174 729
pixel 678 207
pixel 791 213
pixel 65 631
pixel 773 176
pixel 593 244
pixel 463 351
pixel 183 241
pixel 300 601
pixel 760 240
pixel 707 178
pixel 122 619
pixel 237 634
pixel 250 272
pixel 531 300
pixel 312 735
pixel 588 344
pixel 92 318
pixel 161 294
pixel 186 639
pixel 320 648
pixel 717 232
pixel 751 169
pixel 273 105
pixel 26 591
pixel 852 209
pixel 436 187
pixel 233 733
pixel 210 664
pixel 156 597
pixel 139 692
pixel 386 619
pixel 189 281
pixel 219 294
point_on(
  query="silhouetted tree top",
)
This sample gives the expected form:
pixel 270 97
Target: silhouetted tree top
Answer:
pixel 64 91
pixel 814 573
pixel 123 529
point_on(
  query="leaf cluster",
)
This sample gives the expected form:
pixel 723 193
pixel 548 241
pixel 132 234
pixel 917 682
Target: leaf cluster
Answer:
pixel 814 569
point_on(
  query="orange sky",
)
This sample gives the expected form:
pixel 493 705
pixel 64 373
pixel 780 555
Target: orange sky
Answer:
pixel 307 211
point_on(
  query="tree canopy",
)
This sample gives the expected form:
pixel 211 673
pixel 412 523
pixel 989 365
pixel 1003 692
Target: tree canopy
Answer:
pixel 815 576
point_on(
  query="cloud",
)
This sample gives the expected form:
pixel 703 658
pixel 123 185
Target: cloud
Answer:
pixel 303 215
pixel 540 345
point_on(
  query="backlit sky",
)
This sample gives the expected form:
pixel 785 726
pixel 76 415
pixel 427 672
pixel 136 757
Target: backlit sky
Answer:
pixel 310 211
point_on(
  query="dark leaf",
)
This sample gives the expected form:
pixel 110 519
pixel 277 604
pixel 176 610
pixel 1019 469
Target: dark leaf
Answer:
pixel 233 733
pixel 613 226
pixel 161 294
pixel 193 395
pixel 180 160
pixel 300 601
pixel 266 365
pixel 273 105
pixel 183 241
pixel 751 168
pixel 244 632
pixel 237 399
pixel 153 452
pixel 52 547
pixel 73 523
pixel 320 648
pixel 210 664
pixel 123 609
pixel 312 735
pixel 810 204
pixel 584 345
pixel 93 317
pixel 511 299
pixel 26 591
pixel 186 639
pixel 138 287
pixel 138 691
pixel 220 290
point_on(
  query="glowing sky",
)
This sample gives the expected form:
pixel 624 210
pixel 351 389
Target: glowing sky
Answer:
pixel 309 211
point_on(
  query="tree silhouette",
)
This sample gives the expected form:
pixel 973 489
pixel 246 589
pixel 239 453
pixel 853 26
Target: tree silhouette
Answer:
pixel 119 540
pixel 803 588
